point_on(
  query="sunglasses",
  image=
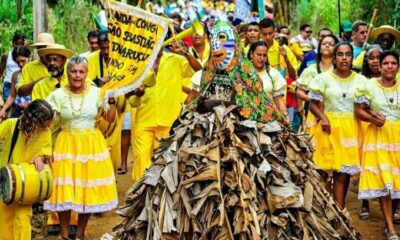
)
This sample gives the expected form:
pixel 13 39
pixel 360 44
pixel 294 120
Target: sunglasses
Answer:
pixel 308 32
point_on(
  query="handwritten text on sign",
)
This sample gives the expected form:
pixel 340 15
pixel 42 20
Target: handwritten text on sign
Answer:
pixel 135 38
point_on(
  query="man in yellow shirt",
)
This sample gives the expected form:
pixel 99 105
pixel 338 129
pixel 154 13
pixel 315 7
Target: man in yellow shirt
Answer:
pixel 56 57
pixel 279 57
pixel 36 70
pixel 160 105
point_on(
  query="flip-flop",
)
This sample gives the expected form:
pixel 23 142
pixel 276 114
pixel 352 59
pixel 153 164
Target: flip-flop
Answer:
pixel 121 171
pixel 364 213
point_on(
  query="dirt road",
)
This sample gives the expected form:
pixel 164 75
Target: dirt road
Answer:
pixel 371 229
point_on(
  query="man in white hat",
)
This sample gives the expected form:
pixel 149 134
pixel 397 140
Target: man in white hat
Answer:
pixel 385 36
pixel 35 70
pixel 56 56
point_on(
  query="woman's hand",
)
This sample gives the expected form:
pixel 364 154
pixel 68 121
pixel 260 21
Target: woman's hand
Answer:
pixel 39 164
pixel 326 125
pixel 377 119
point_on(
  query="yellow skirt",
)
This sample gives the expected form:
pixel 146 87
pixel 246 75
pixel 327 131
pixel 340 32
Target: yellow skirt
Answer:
pixel 83 177
pixel 339 150
pixel 380 162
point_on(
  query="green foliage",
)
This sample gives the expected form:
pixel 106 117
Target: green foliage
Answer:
pixel 324 13
pixel 70 22
pixel 9 22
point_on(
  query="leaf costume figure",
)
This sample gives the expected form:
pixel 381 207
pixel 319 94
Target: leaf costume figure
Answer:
pixel 230 171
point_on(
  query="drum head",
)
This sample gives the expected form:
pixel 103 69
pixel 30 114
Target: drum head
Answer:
pixel 6 185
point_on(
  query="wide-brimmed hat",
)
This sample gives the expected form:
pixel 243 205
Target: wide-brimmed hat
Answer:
pixel 43 39
pixel 386 29
pixel 57 49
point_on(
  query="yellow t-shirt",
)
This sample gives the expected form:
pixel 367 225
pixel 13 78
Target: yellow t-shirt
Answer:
pixel 94 66
pixel 32 71
pixel 295 47
pixel 44 87
pixel 161 104
pixel 358 62
pixel 40 145
pixel 277 61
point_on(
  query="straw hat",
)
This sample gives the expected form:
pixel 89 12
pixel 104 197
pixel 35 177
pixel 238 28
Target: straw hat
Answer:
pixel 43 39
pixel 57 49
pixel 386 29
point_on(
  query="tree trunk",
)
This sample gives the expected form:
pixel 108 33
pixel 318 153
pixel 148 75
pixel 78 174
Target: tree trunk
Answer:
pixel 39 17
pixel 19 9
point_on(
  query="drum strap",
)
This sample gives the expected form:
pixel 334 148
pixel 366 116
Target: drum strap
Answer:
pixel 13 140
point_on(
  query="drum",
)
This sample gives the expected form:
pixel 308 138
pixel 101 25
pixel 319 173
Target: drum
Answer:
pixel 23 184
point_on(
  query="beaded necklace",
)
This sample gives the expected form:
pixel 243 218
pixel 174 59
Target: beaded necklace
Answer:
pixel 390 100
pixel 76 111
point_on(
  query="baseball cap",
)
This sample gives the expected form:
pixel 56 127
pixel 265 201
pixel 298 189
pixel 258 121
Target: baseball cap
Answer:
pixel 346 26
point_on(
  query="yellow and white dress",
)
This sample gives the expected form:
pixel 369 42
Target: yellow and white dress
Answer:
pixel 339 150
pixel 380 162
pixel 273 82
pixel 83 176
pixel 304 80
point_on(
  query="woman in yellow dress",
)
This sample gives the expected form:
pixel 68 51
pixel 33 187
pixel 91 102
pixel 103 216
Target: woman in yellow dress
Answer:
pixel 337 147
pixel 83 177
pixel 378 103
pixel 273 82
pixel 323 64
pixel 32 145
pixel 370 69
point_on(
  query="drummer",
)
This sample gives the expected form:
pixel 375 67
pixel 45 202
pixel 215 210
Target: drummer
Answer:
pixel 24 140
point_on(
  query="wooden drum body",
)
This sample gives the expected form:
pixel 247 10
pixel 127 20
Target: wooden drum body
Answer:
pixel 23 184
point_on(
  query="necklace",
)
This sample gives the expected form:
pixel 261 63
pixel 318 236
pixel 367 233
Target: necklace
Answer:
pixel 339 78
pixel 75 110
pixel 390 100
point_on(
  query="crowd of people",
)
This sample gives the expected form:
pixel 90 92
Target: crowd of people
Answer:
pixel 342 90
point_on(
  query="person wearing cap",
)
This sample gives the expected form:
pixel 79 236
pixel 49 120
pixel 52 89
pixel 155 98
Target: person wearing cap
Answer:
pixel 8 65
pixel 36 70
pixel 346 31
pixel 56 56
pixel 385 36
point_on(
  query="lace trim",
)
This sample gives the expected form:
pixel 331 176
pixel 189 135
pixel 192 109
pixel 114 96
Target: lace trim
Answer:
pixel 81 158
pixel 315 96
pixel 362 99
pixel 79 208
pixel 280 92
pixel 352 170
pixel 84 183
pixel 348 142
pixel 388 147
pixel 388 190
pixel 382 167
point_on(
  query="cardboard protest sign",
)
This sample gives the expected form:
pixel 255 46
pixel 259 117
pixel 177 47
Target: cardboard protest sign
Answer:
pixel 136 37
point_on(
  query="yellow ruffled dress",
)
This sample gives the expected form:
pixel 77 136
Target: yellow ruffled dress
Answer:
pixel 339 150
pixel 380 162
pixel 83 177
pixel 304 80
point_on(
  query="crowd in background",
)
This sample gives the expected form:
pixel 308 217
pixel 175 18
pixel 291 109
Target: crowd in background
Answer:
pixel 341 89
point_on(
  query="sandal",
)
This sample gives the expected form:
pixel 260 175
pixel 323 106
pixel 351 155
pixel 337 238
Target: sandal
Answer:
pixel 391 235
pixel 121 171
pixel 364 213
